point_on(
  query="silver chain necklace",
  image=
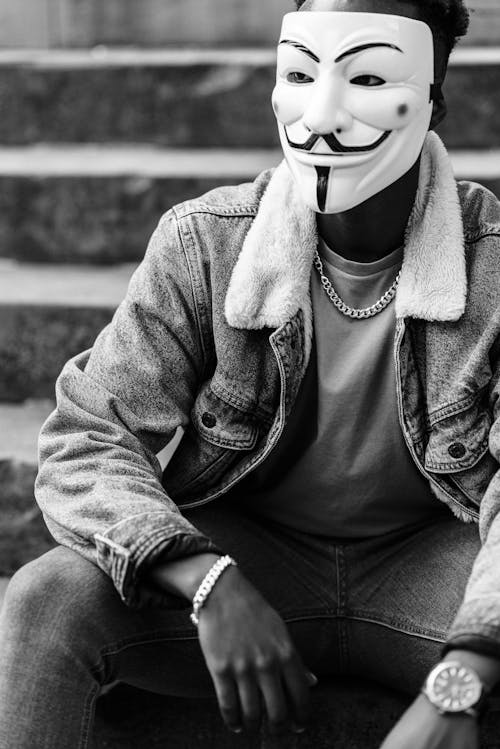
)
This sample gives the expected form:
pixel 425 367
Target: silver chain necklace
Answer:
pixel 357 314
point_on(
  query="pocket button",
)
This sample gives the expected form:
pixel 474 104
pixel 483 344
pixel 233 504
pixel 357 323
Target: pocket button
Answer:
pixel 457 450
pixel 208 420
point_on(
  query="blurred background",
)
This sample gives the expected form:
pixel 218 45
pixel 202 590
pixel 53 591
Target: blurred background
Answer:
pixel 112 111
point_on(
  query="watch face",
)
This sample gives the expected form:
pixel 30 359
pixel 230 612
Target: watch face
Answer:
pixel 454 688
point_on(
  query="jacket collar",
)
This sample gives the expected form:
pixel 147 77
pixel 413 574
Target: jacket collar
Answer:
pixel 270 281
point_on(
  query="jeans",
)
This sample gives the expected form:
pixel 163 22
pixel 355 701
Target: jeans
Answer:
pixel 378 608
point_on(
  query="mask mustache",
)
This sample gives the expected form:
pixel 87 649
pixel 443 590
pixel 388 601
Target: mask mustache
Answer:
pixel 334 144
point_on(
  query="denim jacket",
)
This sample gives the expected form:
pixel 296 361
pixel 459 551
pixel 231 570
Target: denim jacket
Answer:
pixel 213 338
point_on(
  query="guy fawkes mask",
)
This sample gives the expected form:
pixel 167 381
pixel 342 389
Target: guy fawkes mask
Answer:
pixel 353 100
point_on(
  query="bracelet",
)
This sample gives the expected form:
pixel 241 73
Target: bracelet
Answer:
pixel 207 584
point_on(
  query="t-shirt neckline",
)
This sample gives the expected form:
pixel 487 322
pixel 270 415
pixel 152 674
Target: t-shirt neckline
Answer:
pixel 354 268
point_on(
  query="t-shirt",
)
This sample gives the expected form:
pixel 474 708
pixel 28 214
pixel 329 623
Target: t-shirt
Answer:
pixel 341 467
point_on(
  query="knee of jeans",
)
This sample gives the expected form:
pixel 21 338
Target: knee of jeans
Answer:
pixel 45 593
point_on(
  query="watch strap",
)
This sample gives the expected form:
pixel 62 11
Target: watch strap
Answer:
pixel 479 709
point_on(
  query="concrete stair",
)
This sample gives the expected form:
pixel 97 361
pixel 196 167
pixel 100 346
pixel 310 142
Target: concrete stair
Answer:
pixel 194 99
pixel 51 311
pixel 48 313
pixel 90 203
pixel 99 204
pixel 23 535
pixel 77 23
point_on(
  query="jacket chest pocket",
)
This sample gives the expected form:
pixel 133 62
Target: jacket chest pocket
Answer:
pixel 221 424
pixel 215 440
pixel 458 447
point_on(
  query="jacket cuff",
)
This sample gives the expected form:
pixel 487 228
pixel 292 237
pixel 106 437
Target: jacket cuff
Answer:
pixel 474 643
pixel 129 548
pixel 477 626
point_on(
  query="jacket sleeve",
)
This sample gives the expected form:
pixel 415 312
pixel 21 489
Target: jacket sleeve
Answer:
pixel 477 624
pixel 118 405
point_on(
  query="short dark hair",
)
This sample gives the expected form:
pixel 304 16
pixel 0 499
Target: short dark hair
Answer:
pixel 448 19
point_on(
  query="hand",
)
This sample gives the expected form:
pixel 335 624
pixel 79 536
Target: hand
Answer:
pixel 422 727
pixel 251 659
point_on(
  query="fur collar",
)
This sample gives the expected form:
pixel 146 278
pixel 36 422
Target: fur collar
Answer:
pixel 270 281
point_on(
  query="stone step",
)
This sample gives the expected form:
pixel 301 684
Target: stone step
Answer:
pixel 97 204
pixel 23 535
pixel 20 425
pixel 48 314
pixel 62 23
pixel 4 581
pixel 188 98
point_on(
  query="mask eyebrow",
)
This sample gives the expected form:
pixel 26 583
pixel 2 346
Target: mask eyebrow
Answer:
pixel 362 47
pixel 301 48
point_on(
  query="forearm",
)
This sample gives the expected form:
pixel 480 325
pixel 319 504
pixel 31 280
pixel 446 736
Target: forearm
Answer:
pixel 476 627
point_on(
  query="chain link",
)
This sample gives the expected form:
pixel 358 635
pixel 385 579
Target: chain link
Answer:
pixel 357 314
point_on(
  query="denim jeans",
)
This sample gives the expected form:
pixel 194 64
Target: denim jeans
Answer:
pixel 378 608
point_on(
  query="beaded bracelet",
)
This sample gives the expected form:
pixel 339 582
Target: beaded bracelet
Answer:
pixel 207 584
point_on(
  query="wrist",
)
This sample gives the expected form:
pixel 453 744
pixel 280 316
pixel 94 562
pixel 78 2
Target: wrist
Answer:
pixel 208 584
pixel 183 576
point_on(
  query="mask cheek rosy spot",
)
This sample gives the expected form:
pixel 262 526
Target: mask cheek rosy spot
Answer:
pixel 391 108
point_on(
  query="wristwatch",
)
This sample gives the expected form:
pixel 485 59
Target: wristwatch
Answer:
pixel 454 688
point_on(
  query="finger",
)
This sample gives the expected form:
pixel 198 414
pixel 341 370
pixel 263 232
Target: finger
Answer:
pixel 297 685
pixel 250 702
pixel 229 702
pixel 274 700
pixel 312 679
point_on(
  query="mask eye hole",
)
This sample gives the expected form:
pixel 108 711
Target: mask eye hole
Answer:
pixel 296 77
pixel 367 80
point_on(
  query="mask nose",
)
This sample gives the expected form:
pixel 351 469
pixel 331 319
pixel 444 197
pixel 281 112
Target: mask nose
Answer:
pixel 325 112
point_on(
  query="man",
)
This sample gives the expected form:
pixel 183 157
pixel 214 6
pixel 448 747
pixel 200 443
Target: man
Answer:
pixel 337 402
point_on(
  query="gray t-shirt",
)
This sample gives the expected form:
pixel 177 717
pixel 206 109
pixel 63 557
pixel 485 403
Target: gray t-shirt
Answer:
pixel 341 467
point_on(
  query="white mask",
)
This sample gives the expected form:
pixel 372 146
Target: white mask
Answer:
pixel 353 100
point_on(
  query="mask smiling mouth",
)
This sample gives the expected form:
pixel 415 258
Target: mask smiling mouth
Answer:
pixel 334 144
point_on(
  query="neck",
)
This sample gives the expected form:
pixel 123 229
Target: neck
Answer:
pixel 372 230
